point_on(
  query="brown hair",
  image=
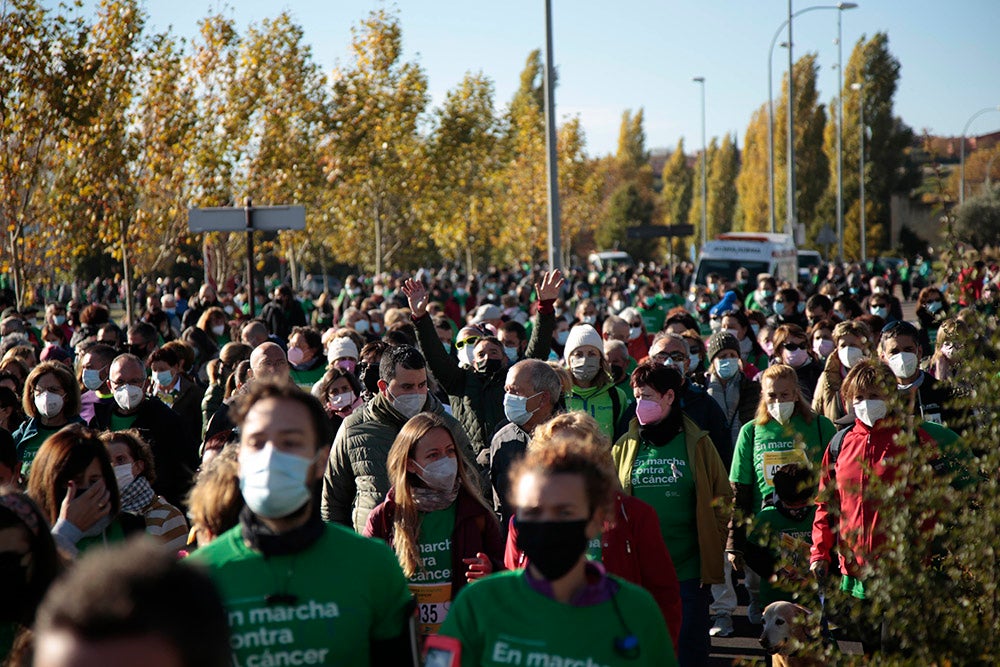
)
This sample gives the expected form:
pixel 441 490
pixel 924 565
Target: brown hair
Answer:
pixel 64 376
pixel 558 451
pixel 63 456
pixel 137 447
pixel 406 522
pixel 786 331
pixel 867 375
pixel 204 322
pixel 215 501
pixel 782 372
pixel 855 328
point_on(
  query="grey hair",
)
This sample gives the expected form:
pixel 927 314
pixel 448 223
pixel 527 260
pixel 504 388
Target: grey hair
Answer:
pixel 662 335
pixel 543 378
pixel 614 344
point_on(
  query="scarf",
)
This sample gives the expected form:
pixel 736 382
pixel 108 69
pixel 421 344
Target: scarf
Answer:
pixel 432 500
pixel 137 496
pixel 665 430
pixel 263 539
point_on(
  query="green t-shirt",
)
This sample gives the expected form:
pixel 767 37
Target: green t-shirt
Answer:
pixel 789 540
pixel 663 477
pixel 597 402
pixel 306 379
pixel 652 316
pixel 27 449
pixel 762 449
pixel 501 620
pixel 431 586
pixel 338 595
pixel 121 422
pixel 113 534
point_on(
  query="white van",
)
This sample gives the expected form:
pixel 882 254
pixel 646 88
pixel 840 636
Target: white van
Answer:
pixel 758 252
pixel 608 259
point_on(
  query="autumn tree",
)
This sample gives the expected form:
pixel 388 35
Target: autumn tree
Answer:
pixel 579 192
pixel 675 196
pixel 376 160
pixel 283 95
pixel 887 165
pixel 524 178
pixel 627 208
pixel 464 158
pixel 722 172
pixel 753 213
pixel 811 165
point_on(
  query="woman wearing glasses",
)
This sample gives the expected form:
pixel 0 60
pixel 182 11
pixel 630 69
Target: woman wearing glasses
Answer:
pixel 51 400
pixel 791 347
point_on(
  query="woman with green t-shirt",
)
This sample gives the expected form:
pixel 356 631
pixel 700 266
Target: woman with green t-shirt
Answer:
pixel 305 356
pixel 785 430
pixel 563 608
pixel 51 400
pixel 594 391
pixel 73 483
pixel 434 517
pixel 667 461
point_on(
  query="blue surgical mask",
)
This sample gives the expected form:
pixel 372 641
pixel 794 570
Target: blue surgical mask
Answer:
pixel 447 347
pixel 273 482
pixel 562 337
pixel 727 368
pixel 511 352
pixel 779 307
pixel 516 408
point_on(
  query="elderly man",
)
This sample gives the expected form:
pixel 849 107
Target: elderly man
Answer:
pixel 357 477
pixel 174 450
pixel 532 394
pixel 267 363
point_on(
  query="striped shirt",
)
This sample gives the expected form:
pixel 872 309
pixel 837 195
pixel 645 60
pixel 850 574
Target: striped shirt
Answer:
pixel 166 523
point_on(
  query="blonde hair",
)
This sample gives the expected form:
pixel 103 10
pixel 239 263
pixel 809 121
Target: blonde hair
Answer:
pixel 215 501
pixel 855 328
pixel 782 372
pixel 406 522
pixel 574 425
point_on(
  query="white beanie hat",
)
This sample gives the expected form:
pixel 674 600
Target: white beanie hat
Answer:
pixel 580 335
pixel 342 348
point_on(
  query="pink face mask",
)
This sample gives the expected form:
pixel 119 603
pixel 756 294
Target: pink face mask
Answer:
pixel 647 411
pixel 346 365
pixel 795 358
pixel 295 356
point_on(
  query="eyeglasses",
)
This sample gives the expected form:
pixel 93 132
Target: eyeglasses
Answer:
pixel 679 357
pixel 794 347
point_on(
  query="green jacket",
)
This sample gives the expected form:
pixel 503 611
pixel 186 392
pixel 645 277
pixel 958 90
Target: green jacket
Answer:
pixel 477 397
pixel 607 403
pixel 357 478
pixel 713 494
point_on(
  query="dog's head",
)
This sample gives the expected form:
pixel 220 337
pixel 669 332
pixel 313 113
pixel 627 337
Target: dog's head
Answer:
pixel 783 622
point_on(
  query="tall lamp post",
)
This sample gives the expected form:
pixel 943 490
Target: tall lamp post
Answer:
pixel 770 106
pixel 551 141
pixel 961 190
pixel 860 87
pixel 704 158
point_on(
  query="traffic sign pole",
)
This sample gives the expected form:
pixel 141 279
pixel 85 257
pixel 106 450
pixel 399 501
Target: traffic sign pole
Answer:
pixel 248 211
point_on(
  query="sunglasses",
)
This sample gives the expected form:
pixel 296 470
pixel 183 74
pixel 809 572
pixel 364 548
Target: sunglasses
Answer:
pixel 794 347
pixel 467 341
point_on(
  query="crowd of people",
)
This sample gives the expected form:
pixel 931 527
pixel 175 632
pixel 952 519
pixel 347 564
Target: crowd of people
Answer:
pixel 518 467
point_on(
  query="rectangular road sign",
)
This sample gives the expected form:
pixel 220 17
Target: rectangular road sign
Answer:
pixel 658 231
pixel 233 219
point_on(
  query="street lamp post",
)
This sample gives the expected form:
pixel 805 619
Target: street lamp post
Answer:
pixel 961 190
pixel 770 104
pixel 861 167
pixel 704 158
pixel 551 140
pixel 790 190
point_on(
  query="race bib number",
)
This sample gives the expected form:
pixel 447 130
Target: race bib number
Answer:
pixel 774 460
pixel 433 601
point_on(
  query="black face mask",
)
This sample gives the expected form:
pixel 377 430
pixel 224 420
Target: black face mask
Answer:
pixel 617 373
pixel 489 366
pixel 368 374
pixel 553 547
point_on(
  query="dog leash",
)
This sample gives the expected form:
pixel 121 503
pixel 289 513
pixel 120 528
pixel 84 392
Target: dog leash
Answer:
pixel 824 620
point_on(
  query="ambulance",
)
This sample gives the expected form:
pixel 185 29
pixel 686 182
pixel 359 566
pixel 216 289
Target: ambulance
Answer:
pixel 758 252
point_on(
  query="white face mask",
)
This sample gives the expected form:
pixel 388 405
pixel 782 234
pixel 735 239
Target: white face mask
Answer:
pixel 341 401
pixel 91 379
pixel 634 332
pixel 408 404
pixel 870 411
pixel 849 356
pixel 49 404
pixel 123 475
pixel 219 329
pixel 128 397
pixel 781 411
pixel 584 369
pixel 903 364
pixel 439 475
pixel 465 355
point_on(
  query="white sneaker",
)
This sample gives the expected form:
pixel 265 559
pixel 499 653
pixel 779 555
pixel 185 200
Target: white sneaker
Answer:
pixel 723 626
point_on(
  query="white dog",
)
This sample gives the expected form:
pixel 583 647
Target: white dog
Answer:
pixel 783 623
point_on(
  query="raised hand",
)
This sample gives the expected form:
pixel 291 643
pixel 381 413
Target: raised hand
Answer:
pixel 549 286
pixel 416 295
pixel 479 567
pixel 88 508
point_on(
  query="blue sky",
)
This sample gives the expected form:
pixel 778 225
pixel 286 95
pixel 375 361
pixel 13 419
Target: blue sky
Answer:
pixel 613 56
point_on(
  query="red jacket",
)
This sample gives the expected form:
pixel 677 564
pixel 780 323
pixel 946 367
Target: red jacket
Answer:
pixel 476 530
pixel 858 529
pixel 638 349
pixel 632 547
